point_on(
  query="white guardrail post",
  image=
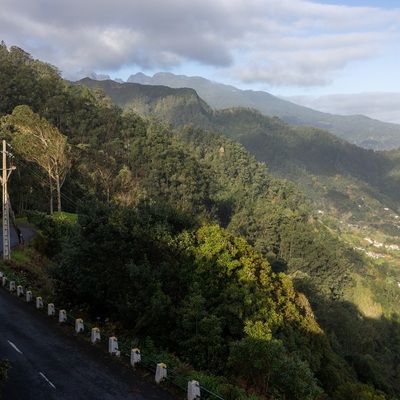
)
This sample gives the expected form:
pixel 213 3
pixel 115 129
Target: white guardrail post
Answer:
pixel 62 316
pixel 20 290
pixel 95 335
pixel 193 390
pixel 113 346
pixel 39 302
pixel 135 357
pixel 51 310
pixel 28 296
pixel 79 325
pixel 161 372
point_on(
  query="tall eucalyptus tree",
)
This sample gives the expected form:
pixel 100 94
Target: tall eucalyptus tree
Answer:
pixel 38 141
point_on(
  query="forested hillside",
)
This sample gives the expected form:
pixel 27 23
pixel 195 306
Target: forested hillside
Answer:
pixel 321 164
pixel 357 129
pixel 181 230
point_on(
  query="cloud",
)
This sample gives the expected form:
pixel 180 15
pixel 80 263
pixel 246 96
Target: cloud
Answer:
pixel 307 61
pixel 383 106
pixel 313 42
pixel 290 42
pixel 105 35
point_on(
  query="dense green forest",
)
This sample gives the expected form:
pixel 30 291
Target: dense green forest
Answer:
pixel 320 163
pixel 182 230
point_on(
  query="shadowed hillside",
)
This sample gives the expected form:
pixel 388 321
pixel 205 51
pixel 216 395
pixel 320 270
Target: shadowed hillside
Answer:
pixel 358 129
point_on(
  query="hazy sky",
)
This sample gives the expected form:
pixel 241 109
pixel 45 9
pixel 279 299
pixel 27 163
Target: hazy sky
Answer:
pixel 337 56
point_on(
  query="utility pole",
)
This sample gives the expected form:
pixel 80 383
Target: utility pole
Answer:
pixel 6 205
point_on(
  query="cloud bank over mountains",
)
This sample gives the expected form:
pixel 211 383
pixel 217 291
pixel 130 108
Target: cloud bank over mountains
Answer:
pixel 286 47
pixel 290 42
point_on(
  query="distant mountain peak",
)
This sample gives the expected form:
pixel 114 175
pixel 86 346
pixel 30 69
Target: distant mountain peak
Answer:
pixel 358 129
pixel 141 78
pixel 102 77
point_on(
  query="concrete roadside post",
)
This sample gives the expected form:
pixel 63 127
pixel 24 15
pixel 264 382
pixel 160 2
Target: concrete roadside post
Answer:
pixel 79 325
pixel 161 372
pixel 28 296
pixel 51 310
pixel 193 390
pixel 62 316
pixel 113 346
pixel 135 357
pixel 95 335
pixel 39 302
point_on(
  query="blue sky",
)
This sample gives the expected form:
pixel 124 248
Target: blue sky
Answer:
pixel 337 56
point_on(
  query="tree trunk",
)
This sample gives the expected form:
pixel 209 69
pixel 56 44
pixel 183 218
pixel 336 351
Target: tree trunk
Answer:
pixel 58 194
pixel 51 196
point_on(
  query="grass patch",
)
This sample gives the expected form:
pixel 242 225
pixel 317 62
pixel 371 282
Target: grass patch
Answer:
pixel 29 268
pixel 63 216
pixel 22 255
pixel 365 300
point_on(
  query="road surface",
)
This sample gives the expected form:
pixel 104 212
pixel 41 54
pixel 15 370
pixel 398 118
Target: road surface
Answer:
pixel 47 363
pixel 27 231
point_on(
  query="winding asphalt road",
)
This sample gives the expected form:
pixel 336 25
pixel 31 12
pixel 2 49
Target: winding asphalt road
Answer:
pixel 47 363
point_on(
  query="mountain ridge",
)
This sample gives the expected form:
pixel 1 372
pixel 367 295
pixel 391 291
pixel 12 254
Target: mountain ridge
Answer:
pixel 312 158
pixel 363 131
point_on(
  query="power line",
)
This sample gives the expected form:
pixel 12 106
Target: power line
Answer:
pixel 69 196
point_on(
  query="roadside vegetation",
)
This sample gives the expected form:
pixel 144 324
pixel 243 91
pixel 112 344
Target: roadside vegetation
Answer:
pixel 5 367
